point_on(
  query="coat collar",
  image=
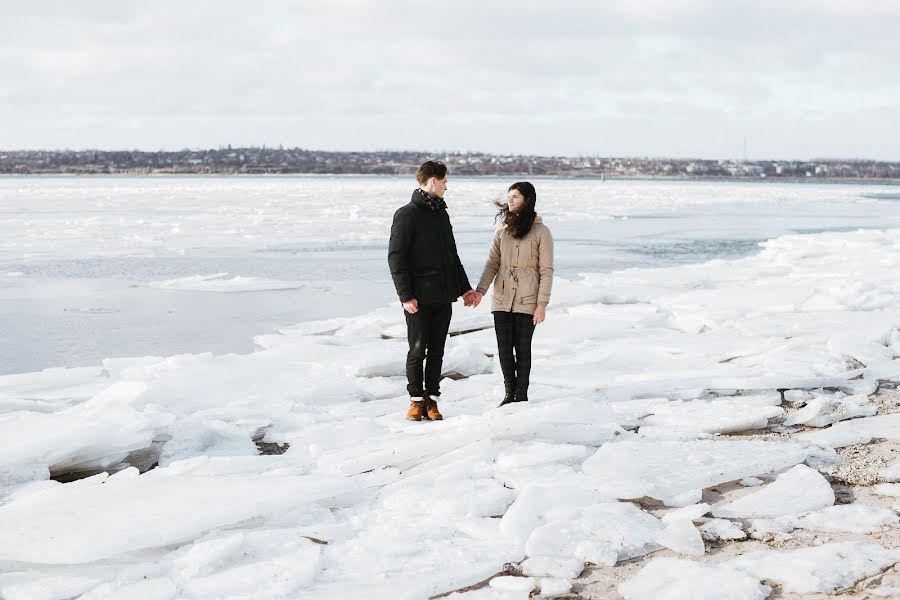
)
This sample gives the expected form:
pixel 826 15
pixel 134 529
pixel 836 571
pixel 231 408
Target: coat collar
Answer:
pixel 420 198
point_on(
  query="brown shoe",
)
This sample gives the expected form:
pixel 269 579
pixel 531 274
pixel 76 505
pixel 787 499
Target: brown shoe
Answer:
pixel 416 409
pixel 433 413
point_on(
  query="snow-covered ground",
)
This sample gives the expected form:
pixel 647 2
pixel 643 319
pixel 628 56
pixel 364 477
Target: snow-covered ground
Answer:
pixel 638 442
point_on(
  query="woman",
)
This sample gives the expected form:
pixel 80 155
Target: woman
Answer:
pixel 520 264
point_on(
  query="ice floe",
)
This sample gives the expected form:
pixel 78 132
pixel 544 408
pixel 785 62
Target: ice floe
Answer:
pixel 851 518
pixel 799 489
pixel 632 469
pixel 675 579
pixel 825 568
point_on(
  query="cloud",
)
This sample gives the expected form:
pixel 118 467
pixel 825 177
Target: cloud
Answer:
pixel 359 74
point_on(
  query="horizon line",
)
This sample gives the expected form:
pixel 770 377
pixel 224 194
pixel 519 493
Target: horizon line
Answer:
pixel 435 153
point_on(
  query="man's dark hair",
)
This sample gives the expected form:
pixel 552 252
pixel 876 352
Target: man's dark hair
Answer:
pixel 429 169
pixel 520 223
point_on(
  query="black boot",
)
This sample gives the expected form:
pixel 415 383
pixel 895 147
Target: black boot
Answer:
pixel 510 395
pixel 521 394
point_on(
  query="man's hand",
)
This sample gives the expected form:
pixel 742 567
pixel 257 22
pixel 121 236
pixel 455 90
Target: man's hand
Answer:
pixel 539 314
pixel 411 306
pixel 469 298
pixel 476 299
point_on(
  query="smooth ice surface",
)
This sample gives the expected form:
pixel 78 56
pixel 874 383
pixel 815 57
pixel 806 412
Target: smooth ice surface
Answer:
pixel 799 489
pixel 679 533
pixel 850 518
pixel 887 489
pixel 835 437
pixel 631 469
pixel 551 586
pixel 94 434
pixel 602 534
pixel 825 568
pixel 222 282
pixel 825 410
pixel 683 537
pixel 50 528
pixel 890 472
pixel 675 579
pixel 883 426
pixel 722 416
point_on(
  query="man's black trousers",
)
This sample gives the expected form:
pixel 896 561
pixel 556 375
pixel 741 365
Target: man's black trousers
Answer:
pixel 427 333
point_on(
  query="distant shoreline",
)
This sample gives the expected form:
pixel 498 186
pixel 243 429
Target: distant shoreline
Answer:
pixel 299 161
pixel 591 177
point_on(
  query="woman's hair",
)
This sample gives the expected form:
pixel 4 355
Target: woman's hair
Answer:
pixel 520 223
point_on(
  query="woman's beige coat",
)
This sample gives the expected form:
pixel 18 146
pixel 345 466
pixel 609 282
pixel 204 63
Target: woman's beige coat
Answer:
pixel 521 270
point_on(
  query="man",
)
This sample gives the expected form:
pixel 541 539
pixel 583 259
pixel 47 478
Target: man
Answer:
pixel 429 277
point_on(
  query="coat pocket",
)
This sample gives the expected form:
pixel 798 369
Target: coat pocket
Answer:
pixel 500 290
pixel 529 299
pixel 427 286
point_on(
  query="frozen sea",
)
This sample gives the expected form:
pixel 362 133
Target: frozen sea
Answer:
pixel 190 318
pixel 102 267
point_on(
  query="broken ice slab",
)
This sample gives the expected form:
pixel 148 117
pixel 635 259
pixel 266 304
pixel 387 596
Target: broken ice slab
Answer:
pixel 665 469
pixel 718 416
pixel 826 568
pixel 825 410
pixel 850 518
pixel 673 578
pixel 51 527
pixel 797 490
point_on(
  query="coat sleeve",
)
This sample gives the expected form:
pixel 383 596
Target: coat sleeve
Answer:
pixel 464 285
pixel 491 266
pixel 398 255
pixel 545 267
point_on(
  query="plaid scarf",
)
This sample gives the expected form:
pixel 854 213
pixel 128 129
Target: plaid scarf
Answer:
pixel 434 204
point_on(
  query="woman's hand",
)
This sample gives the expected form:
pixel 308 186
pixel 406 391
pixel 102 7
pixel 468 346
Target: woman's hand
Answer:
pixel 472 298
pixel 540 313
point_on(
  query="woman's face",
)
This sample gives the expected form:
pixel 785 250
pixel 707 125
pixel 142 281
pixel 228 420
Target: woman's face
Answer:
pixel 516 201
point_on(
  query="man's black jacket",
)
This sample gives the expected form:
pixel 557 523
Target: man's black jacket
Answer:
pixel 422 253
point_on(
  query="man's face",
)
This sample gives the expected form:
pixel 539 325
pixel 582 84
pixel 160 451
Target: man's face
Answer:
pixel 438 186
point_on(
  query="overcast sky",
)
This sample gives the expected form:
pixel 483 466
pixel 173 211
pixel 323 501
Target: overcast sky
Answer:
pixel 683 78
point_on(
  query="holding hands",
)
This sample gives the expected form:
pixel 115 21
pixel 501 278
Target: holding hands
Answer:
pixel 472 298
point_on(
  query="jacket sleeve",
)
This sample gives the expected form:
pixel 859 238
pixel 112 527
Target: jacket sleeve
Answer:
pixel 545 267
pixel 464 285
pixel 491 266
pixel 398 255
